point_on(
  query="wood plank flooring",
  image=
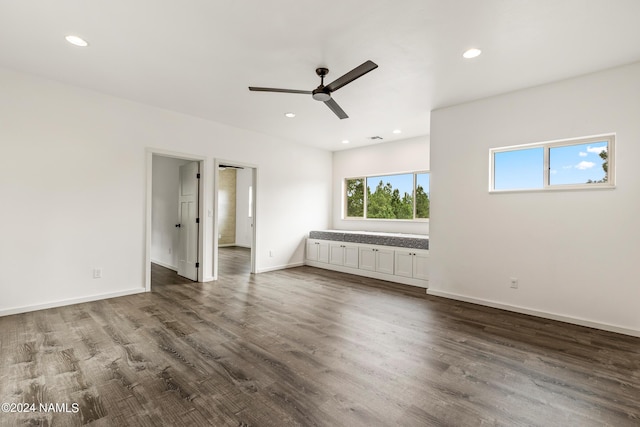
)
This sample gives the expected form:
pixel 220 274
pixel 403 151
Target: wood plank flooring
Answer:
pixel 310 347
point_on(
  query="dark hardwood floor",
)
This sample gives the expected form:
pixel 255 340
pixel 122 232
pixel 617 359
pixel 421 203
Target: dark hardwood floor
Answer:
pixel 309 347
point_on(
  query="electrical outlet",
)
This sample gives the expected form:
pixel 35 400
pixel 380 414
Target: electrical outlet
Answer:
pixel 271 253
pixel 97 273
pixel 513 282
pixel 170 251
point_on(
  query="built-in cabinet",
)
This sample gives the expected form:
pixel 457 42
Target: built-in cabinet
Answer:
pixel 317 250
pixel 376 259
pixel 343 254
pixel 413 264
pixel 402 265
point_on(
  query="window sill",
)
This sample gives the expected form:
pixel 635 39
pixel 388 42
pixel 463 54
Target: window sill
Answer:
pixel 421 220
pixel 558 188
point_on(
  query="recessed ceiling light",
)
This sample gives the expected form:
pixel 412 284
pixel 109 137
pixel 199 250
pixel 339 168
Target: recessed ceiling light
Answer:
pixel 290 115
pixel 472 53
pixel 345 141
pixel 77 41
pixel 397 131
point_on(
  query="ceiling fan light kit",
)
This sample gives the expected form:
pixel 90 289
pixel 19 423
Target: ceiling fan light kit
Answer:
pixel 323 93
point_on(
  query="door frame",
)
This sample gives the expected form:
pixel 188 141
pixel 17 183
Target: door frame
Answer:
pixel 254 190
pixel 205 225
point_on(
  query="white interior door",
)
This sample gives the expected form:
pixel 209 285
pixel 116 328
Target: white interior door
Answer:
pixel 188 217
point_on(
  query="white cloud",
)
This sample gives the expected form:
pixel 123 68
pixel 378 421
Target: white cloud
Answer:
pixel 585 165
pixel 596 150
pixel 567 167
pixel 553 171
pixel 583 154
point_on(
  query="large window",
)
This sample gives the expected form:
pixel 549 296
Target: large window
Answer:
pixel 402 196
pixel 575 163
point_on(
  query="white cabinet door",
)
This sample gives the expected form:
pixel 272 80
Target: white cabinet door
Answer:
pixel 421 266
pixel 336 254
pixel 413 264
pixel 404 264
pixel 384 261
pixel 317 250
pixel 350 256
pixel 312 250
pixel 373 259
pixel 323 251
pixel 367 259
pixel 346 255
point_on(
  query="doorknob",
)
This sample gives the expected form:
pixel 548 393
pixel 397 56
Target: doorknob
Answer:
pixel 178 225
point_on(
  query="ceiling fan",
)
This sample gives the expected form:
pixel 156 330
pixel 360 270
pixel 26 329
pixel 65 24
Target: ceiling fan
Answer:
pixel 322 92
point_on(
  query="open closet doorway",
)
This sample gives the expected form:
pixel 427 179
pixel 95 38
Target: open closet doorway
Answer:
pixel 176 234
pixel 235 229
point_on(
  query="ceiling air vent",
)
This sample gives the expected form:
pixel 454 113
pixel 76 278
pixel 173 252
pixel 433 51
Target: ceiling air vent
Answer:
pixel 375 137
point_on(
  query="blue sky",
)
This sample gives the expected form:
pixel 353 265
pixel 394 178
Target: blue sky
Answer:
pixel 576 163
pixel 572 164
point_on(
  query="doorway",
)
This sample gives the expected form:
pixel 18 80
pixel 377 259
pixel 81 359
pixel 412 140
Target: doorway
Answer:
pixel 174 203
pixel 235 195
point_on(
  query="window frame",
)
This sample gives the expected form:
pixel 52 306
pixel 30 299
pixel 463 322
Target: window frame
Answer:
pixel 345 199
pixel 546 168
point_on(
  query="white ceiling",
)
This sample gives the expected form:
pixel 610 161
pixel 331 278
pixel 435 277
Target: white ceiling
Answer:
pixel 199 56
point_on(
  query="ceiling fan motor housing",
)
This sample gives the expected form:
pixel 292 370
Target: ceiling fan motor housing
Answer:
pixel 320 95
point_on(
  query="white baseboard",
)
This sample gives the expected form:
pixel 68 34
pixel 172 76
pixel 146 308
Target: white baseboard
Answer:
pixel 170 267
pixel 61 303
pixel 280 267
pixel 537 313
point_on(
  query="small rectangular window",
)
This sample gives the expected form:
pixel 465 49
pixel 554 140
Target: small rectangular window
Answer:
pixel 518 169
pixel 576 163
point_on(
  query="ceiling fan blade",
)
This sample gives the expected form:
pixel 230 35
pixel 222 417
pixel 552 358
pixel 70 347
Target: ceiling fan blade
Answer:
pixel 357 72
pixel 336 109
pixel 270 89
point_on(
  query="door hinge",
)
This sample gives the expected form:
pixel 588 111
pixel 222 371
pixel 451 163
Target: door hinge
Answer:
pixel 197 265
pixel 198 176
pixel 197 220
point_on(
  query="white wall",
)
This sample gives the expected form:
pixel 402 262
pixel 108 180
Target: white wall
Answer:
pixel 243 222
pixel 164 215
pixel 73 177
pixel 409 155
pixel 575 253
